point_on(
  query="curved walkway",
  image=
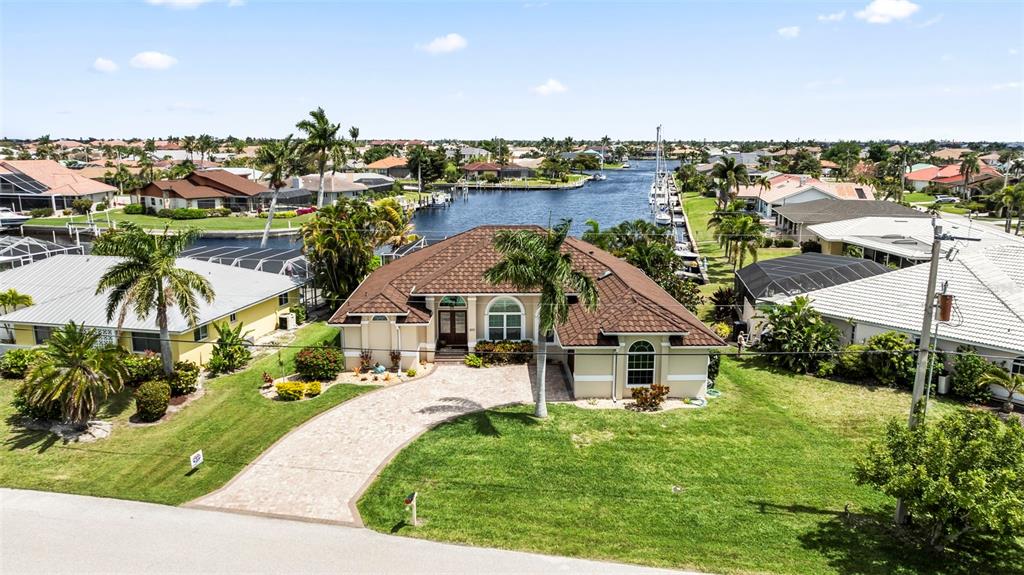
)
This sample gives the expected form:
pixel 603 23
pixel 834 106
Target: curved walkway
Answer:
pixel 319 470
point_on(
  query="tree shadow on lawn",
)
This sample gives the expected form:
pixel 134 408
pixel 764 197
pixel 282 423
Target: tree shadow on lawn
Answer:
pixel 22 437
pixel 867 543
pixel 483 420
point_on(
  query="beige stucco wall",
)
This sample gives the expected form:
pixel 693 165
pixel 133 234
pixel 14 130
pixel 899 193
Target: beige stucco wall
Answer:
pixel 381 336
pixel 683 370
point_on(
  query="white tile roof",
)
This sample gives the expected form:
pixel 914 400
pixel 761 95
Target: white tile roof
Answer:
pixel 906 237
pixel 988 288
pixel 63 288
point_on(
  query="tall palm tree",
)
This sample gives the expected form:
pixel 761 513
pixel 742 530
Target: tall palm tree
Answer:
pixel 12 299
pixel 279 160
pixel 534 261
pixel 764 184
pixel 205 145
pixel 148 279
pixel 1012 199
pixel 969 167
pixel 321 136
pixel 188 143
pixel 746 237
pixel 732 175
pixel 75 372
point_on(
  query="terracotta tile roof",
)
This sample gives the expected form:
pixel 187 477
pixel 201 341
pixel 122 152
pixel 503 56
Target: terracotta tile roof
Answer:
pixel 628 300
pixel 60 180
pixel 951 174
pixel 786 185
pixel 481 167
pixel 388 162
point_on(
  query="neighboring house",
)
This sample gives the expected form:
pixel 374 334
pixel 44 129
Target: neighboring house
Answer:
pixel 247 173
pixel 436 300
pixel 467 152
pixel 203 189
pixel 29 184
pixel 949 176
pixel 828 167
pixel 63 289
pixel 303 190
pixel 792 219
pixel 950 154
pixel 770 281
pixel 749 159
pixel 987 285
pixel 391 166
pixel 478 170
pixel 992 159
pixel 793 189
pixel 900 241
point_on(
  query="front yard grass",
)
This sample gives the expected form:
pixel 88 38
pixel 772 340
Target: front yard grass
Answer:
pixel 755 483
pixel 232 423
pixel 154 223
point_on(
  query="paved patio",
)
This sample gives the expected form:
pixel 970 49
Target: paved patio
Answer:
pixel 319 470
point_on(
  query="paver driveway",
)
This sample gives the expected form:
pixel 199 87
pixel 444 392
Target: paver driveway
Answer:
pixel 319 470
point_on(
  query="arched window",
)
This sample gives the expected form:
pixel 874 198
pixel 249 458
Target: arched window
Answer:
pixel 504 319
pixel 1018 365
pixel 452 301
pixel 640 364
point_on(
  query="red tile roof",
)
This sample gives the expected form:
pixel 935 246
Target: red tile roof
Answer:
pixel 387 163
pixel 628 302
pixel 59 180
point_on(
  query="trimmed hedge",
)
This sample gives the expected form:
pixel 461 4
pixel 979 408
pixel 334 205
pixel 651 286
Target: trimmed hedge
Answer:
pixel 140 368
pixel 285 214
pixel 41 212
pixel 134 209
pixel 151 399
pixel 185 378
pixel 319 363
pixel 296 390
pixel 504 351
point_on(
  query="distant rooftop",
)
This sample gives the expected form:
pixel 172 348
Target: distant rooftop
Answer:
pixel 832 210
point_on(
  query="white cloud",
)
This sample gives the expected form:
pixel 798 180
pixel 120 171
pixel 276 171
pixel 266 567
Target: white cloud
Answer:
pixel 444 44
pixel 834 17
pixel 789 31
pixel 931 21
pixel 152 61
pixel 885 11
pixel 105 66
pixel 1006 86
pixel 177 3
pixel 552 86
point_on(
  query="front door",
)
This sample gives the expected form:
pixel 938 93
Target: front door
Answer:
pixel 451 328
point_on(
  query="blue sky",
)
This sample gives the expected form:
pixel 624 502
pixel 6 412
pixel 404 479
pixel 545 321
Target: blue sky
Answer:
pixel 904 69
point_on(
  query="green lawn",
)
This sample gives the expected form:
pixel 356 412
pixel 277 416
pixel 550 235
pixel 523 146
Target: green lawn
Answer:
pixel 155 223
pixel 755 483
pixel 232 424
pixel 918 197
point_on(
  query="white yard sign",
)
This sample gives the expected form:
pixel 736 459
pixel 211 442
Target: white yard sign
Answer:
pixel 196 459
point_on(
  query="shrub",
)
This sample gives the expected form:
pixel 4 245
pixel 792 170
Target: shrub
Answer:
pixel 134 209
pixel 82 205
pixel 827 367
pixel 504 351
pixel 285 215
pixel 410 372
pixel 891 359
pixel 801 335
pixel 968 369
pixel 724 299
pixel 784 243
pixel 290 390
pixel 15 363
pixel 319 363
pixel 722 329
pixel 140 368
pixel 218 212
pixel 101 206
pixel 151 399
pixel 185 378
pixel 48 410
pixel 365 357
pixel 649 398
pixel 304 211
pixel 473 360
pixel 850 363
pixel 187 214
pixel 300 313
pixel 714 365
pixel 165 213
pixel 313 389
pixel 766 242
pixel 41 212
pixel 810 247
pixel 231 352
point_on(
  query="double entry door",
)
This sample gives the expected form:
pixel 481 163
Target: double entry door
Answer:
pixel 451 328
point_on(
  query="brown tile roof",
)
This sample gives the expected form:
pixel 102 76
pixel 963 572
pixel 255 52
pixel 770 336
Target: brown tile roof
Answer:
pixel 60 180
pixel 388 162
pixel 183 189
pixel 228 182
pixel 628 300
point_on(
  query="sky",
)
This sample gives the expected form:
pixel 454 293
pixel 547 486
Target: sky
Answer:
pixel 724 70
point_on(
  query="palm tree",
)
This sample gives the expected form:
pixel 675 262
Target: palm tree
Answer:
pixel 75 372
pixel 188 143
pixel 1012 199
pixel 746 237
pixel 1012 383
pixel 279 160
pixel 148 279
pixel 969 167
pixel 533 261
pixel 12 299
pixel 353 132
pixel 393 225
pixel 595 236
pixel 764 183
pixel 205 145
pixel 732 175
pixel 321 136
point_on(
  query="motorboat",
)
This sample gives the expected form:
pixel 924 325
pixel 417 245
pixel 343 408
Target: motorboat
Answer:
pixel 662 219
pixel 11 219
pixel 599 177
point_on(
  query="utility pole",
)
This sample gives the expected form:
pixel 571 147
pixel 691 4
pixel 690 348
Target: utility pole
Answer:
pixel 923 349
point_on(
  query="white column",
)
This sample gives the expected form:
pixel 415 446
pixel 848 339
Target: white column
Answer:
pixel 471 331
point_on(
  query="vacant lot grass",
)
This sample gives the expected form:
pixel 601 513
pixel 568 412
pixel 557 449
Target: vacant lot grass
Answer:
pixel 155 223
pixel 232 423
pixel 755 483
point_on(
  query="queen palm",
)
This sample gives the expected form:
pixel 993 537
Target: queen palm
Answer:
pixel 532 261
pixel 12 299
pixel 75 372
pixel 279 160
pixel 148 280
pixel 1011 382
pixel 732 175
pixel 188 143
pixel 321 136
pixel 746 235
pixel 969 167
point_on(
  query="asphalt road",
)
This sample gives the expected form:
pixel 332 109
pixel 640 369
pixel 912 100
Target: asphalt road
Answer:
pixel 56 533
